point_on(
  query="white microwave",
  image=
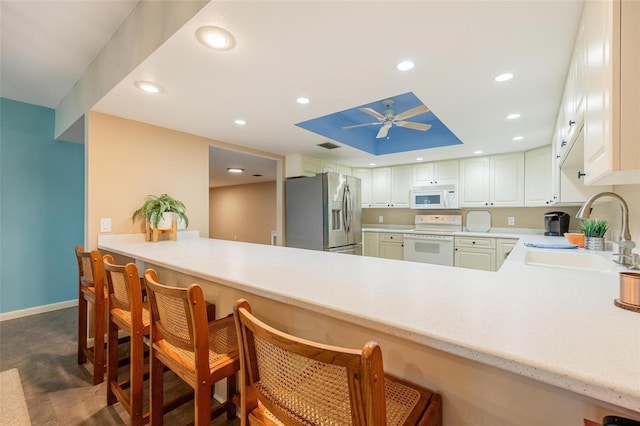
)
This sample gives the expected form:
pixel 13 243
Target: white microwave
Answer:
pixel 434 197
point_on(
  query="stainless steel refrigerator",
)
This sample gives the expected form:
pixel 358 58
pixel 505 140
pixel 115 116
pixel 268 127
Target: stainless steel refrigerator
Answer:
pixel 324 212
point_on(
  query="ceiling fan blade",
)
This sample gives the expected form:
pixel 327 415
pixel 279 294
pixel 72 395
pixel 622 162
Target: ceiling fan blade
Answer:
pixel 415 126
pixel 362 125
pixel 372 112
pixel 420 109
pixel 382 133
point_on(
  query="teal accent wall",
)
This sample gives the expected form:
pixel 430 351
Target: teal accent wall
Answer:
pixel 41 209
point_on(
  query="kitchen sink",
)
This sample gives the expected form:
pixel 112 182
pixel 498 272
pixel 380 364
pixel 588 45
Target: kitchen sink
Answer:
pixel 570 260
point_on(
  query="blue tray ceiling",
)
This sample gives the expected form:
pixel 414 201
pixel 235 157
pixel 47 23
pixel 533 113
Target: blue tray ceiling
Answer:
pixel 399 139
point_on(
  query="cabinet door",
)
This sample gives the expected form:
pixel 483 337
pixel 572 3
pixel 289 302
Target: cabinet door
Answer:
pixel 422 174
pixel 327 167
pixel 483 259
pixel 381 187
pixel 298 165
pixel 507 180
pixel 474 182
pixel 446 172
pixel 344 170
pixel 537 177
pixel 370 244
pixel 365 186
pixel 503 249
pixel 391 250
pixel 400 184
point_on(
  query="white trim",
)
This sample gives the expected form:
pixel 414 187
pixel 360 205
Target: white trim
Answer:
pixel 37 310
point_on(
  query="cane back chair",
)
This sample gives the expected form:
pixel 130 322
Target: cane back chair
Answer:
pixel 91 291
pixel 292 381
pixel 200 352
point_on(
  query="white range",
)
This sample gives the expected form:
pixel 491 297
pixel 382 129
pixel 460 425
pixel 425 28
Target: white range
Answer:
pixel 432 239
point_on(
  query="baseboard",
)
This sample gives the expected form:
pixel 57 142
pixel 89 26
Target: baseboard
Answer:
pixel 38 310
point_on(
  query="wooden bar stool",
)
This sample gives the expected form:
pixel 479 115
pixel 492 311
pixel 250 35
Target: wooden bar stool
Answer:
pixel 91 290
pixel 292 381
pixel 200 352
pixel 127 312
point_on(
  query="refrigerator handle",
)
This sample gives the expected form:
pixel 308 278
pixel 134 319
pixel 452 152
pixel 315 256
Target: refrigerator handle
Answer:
pixel 348 210
pixel 345 207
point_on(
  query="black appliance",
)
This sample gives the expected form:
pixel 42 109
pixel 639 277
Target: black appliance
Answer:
pixel 556 223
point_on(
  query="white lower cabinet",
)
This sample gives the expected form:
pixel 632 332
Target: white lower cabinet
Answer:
pixel 503 249
pixel 475 253
pixel 370 244
pixel 391 246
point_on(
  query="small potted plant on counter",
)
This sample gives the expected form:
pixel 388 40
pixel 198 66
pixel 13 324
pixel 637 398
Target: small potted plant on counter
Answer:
pixel 594 230
pixel 161 211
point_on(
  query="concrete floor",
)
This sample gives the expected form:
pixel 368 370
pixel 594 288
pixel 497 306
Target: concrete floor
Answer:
pixel 59 391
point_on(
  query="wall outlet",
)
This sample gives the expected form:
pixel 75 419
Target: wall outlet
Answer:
pixel 105 224
pixel 380 219
pixel 511 221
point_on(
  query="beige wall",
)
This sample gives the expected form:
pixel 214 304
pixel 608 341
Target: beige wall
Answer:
pixel 243 212
pixel 525 217
pixel 127 160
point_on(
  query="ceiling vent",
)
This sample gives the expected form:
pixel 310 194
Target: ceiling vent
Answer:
pixel 329 145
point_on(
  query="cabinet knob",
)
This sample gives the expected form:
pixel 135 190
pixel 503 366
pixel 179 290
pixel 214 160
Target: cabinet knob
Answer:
pixel 580 174
pixel 571 122
pixel 557 156
pixel 563 143
pixel 473 242
pixel 490 204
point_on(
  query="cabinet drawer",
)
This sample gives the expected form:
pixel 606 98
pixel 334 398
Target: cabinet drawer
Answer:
pixel 389 236
pixel 477 242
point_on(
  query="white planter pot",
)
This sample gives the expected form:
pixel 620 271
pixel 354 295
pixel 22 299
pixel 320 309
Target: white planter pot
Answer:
pixel 164 223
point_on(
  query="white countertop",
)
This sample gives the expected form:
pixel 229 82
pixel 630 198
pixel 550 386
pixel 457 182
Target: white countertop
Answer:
pixel 558 326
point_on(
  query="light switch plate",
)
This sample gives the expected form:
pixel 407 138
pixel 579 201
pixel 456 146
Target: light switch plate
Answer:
pixel 511 220
pixel 105 224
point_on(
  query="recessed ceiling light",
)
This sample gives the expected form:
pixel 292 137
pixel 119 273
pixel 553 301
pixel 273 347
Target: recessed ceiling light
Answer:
pixel 419 159
pixel 405 65
pixel 240 122
pixel 518 138
pixel 148 86
pixel 216 38
pixel 372 164
pixel 513 116
pixel 235 170
pixel 504 77
pixel 302 100
pixel 477 152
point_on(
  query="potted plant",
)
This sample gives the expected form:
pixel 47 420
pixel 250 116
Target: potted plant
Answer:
pixel 161 211
pixel 594 230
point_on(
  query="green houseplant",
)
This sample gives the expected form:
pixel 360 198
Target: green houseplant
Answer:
pixel 155 206
pixel 594 230
pixel 594 227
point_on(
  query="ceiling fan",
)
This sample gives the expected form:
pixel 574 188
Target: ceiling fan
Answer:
pixel 389 118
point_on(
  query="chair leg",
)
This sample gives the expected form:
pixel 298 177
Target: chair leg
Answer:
pixel 202 403
pixel 98 346
pixel 155 389
pixel 231 391
pixel 136 374
pixel 82 328
pixel 112 362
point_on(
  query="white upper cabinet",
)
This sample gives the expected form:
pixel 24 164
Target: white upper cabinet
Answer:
pixel 365 186
pixel 400 185
pixel 612 92
pixel 297 165
pixel 390 186
pixel 538 177
pixel 507 180
pixel 437 173
pixel 474 181
pixel 496 181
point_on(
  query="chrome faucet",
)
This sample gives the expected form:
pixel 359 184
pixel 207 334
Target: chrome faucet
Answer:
pixel 625 245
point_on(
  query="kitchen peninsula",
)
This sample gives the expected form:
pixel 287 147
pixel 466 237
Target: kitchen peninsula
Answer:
pixel 526 345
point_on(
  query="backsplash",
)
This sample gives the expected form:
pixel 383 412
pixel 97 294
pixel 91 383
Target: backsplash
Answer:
pixel 525 217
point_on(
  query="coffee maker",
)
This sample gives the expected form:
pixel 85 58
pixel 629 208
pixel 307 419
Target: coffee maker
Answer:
pixel 556 223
